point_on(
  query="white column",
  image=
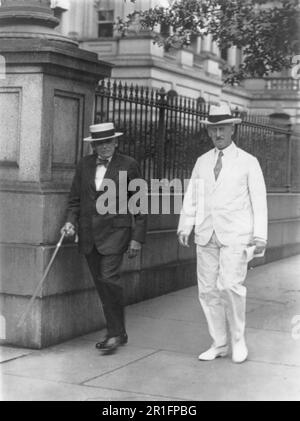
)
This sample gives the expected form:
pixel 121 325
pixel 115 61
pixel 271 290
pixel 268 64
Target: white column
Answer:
pixel 215 48
pixel 87 14
pixel 198 45
pixel 206 43
pixel 232 56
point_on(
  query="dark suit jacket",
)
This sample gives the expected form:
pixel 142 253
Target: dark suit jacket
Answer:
pixel 111 233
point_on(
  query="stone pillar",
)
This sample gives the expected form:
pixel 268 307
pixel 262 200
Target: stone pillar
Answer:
pixel 214 48
pixel 232 56
pixel 206 43
pixel 46 106
pixel 198 45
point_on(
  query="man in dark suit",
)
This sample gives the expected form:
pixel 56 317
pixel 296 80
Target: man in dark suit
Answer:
pixel 105 234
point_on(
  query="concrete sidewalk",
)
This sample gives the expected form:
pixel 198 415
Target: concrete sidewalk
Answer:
pixel 166 334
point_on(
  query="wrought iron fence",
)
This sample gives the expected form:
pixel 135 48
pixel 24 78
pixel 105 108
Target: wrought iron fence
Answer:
pixel 164 134
pixel 271 145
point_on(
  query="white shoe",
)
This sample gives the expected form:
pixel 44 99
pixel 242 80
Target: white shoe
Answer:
pixel 214 352
pixel 239 351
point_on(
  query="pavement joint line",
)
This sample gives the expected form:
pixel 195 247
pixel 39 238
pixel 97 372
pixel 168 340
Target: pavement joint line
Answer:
pixel 58 348
pixel 273 363
pixel 177 398
pixel 82 384
pixel 268 330
pixel 76 384
pixel 251 311
pixel 43 379
pixel 136 392
pixel 120 367
pixel 263 301
pixel 94 387
pixel 135 345
pixel 168 350
pixel 287 291
pixel 15 358
pixel 192 355
pixel 164 318
pixel 87 380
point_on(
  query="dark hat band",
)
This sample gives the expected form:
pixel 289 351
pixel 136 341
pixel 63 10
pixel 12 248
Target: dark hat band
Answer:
pixel 102 134
pixel 217 118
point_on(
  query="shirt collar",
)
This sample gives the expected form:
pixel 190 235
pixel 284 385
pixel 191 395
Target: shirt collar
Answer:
pixel 230 150
pixel 109 159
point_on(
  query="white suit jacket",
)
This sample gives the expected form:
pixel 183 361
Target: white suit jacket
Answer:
pixel 234 206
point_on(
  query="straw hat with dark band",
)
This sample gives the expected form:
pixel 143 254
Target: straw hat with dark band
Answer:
pixel 102 131
pixel 220 115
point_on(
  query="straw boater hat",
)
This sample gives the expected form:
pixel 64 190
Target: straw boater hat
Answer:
pixel 220 115
pixel 102 131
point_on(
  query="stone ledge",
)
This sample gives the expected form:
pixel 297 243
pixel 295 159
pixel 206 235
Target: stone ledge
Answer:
pixel 53 57
pixel 57 318
pixel 52 319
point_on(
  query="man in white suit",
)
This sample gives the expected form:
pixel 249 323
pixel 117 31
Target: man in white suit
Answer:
pixel 226 205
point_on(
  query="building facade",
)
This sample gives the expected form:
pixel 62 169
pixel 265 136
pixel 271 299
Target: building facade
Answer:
pixel 194 72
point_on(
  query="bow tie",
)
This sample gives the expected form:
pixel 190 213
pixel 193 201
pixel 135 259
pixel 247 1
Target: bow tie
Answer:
pixel 100 161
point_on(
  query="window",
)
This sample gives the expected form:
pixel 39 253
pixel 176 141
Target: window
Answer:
pixel 224 54
pixel 171 95
pixel 193 43
pixel 165 30
pixel 105 23
pixel 239 57
pixel 200 101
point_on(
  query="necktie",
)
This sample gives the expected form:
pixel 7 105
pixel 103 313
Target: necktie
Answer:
pixel 100 161
pixel 218 165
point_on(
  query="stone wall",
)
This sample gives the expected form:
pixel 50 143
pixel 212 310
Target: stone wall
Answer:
pixel 46 106
pixel 68 305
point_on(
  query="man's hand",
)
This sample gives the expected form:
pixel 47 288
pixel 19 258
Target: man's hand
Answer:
pixel 260 245
pixel 133 248
pixel 68 229
pixel 183 239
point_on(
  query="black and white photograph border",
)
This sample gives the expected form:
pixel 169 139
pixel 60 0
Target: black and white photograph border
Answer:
pixel 150 203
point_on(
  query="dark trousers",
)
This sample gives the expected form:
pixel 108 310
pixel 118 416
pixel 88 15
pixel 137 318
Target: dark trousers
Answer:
pixel 105 271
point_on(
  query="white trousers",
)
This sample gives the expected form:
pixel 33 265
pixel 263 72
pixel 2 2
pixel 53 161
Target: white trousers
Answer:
pixel 221 271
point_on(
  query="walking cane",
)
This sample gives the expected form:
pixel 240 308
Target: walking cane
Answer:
pixel 29 305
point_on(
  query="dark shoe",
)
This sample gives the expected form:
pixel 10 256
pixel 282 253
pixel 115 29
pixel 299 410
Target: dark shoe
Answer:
pixel 111 344
pixel 123 339
pixel 102 344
